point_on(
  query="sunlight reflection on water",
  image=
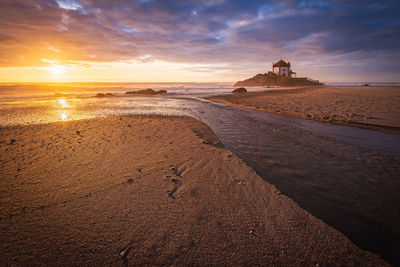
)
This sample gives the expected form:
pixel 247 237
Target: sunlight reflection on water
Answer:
pixel 63 102
pixel 64 116
pixel 53 109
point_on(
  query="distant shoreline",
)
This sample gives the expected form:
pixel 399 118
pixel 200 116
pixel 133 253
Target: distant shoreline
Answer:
pixel 30 90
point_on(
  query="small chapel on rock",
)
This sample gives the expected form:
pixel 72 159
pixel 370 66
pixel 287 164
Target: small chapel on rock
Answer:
pixel 282 68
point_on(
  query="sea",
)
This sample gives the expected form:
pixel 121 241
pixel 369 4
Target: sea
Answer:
pixel 24 90
pixel 28 90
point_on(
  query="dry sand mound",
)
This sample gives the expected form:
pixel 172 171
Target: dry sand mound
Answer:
pixel 371 107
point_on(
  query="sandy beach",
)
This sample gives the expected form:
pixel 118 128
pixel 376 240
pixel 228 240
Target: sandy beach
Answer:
pixel 199 133
pixel 160 190
pixel 366 106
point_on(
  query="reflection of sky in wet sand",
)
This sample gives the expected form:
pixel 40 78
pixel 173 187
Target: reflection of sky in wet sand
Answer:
pixel 26 105
pixel 53 109
pixel 32 111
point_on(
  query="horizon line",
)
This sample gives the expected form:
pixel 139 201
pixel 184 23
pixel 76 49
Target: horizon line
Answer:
pixel 171 82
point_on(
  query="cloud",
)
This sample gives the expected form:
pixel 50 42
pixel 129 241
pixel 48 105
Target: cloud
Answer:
pixel 205 31
pixel 68 4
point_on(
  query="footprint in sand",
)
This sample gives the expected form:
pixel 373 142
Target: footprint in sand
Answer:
pixel 171 192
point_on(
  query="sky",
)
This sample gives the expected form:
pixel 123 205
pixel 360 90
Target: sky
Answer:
pixel 197 41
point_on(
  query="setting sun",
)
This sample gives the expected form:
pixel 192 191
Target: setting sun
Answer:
pixel 57 71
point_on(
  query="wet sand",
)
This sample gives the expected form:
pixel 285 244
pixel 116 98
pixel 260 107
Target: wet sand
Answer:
pixel 366 106
pixel 162 190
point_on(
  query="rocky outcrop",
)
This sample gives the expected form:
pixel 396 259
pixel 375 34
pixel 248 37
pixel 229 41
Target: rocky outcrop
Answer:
pixel 147 91
pixel 239 90
pixel 271 79
pixel 104 95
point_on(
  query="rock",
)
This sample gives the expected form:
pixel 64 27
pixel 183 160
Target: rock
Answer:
pixel 104 95
pixel 130 181
pixel 271 79
pixel 147 91
pixel 239 90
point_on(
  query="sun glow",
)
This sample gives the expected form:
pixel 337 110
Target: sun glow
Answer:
pixel 132 71
pixel 57 71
